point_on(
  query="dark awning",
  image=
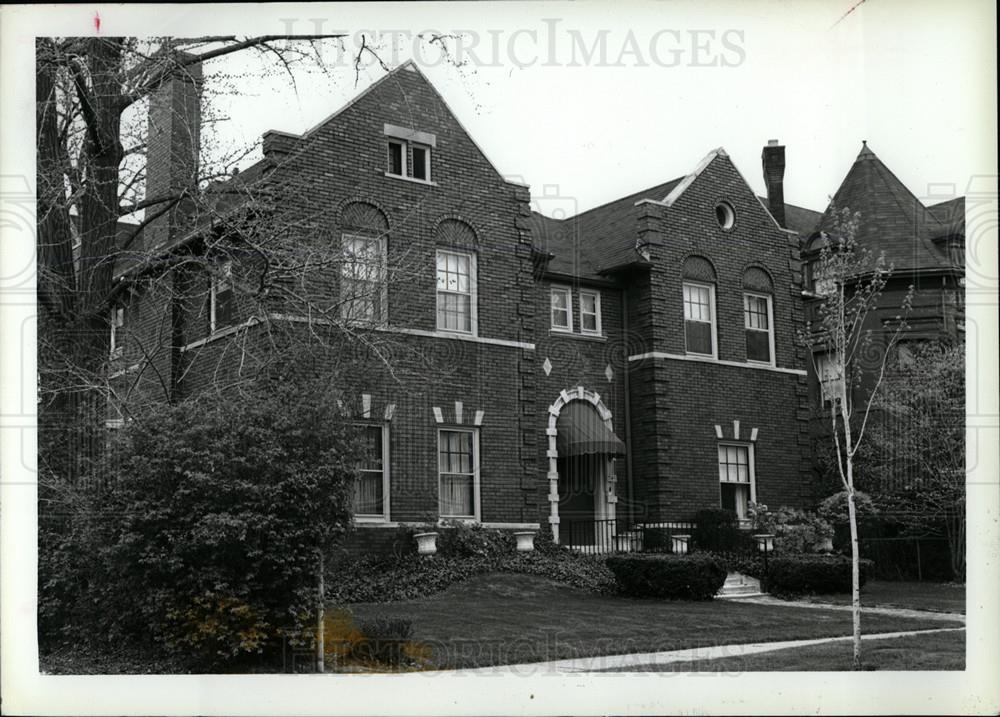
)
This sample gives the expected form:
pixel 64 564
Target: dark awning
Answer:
pixel 581 431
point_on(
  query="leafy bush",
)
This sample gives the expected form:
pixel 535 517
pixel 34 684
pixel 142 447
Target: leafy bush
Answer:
pixel 795 531
pixel 383 640
pixel 221 508
pixel 684 577
pixel 719 530
pixel 744 562
pixel 813 574
pixel 409 576
pixel 834 510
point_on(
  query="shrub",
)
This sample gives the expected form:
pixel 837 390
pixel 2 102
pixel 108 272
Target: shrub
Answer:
pixel 222 507
pixel 751 564
pixel 409 576
pixel 718 530
pixel 683 577
pixel 813 574
pixel 383 640
pixel 795 531
pixel 833 509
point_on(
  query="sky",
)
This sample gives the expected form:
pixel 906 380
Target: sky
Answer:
pixel 589 102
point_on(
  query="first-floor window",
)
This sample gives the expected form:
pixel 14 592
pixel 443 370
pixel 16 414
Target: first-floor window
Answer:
pixel 458 473
pixel 456 291
pixel 372 487
pixel 736 478
pixel 222 312
pixel 362 283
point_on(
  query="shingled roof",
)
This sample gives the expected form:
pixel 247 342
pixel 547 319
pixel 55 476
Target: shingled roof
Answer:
pixel 892 219
pixel 597 239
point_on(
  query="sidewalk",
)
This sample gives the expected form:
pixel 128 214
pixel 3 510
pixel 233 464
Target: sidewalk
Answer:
pixel 638 661
pixel 865 610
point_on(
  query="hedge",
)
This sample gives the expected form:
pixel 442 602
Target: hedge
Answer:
pixel 680 577
pixel 819 574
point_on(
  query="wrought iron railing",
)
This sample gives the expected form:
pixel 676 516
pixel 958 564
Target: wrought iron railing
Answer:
pixel 620 536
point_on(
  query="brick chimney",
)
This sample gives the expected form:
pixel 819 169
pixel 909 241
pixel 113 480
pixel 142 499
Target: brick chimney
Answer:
pixel 773 159
pixel 172 150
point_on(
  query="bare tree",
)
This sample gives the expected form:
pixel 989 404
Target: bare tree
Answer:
pixel 850 358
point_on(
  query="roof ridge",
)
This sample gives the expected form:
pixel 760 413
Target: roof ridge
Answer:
pixel 616 199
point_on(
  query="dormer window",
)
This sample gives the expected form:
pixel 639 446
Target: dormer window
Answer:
pixel 409 153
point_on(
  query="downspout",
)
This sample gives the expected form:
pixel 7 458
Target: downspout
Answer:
pixel 628 412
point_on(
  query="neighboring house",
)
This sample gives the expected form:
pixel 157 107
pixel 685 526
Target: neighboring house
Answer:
pixel 925 248
pixel 627 366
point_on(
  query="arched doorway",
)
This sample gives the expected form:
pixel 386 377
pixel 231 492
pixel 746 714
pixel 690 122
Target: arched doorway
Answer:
pixel 582 471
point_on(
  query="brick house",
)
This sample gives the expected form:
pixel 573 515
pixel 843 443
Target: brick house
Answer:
pixel 626 366
pixel 925 248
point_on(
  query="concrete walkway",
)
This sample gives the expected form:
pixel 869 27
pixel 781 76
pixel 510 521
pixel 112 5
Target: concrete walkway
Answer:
pixel 865 610
pixel 638 661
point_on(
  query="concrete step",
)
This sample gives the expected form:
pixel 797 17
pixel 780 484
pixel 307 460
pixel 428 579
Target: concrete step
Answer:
pixel 740 585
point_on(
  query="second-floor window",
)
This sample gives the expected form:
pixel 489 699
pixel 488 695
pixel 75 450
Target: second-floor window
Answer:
pixel 699 319
pixel 831 376
pixel 117 321
pixel 759 331
pixel 362 284
pixel 397 158
pixel 222 303
pixel 562 308
pixel 590 312
pixel 456 291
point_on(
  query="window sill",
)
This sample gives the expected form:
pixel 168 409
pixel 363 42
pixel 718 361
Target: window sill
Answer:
pixel 761 364
pixel 370 520
pixel 585 337
pixel 414 180
pixel 219 334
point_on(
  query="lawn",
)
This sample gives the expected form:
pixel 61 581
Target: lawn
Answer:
pixel 937 651
pixel 509 618
pixel 939 597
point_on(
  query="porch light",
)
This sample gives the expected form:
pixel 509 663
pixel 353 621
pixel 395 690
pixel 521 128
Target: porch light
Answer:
pixel 679 544
pixel 765 542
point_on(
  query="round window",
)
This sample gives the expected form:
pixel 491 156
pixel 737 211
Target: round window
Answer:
pixel 725 215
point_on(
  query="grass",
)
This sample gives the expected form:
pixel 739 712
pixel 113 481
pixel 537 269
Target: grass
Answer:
pixel 938 597
pixel 506 618
pixel 936 651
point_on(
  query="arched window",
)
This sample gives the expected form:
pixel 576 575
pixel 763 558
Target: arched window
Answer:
pixel 363 289
pixel 758 315
pixel 699 307
pixel 456 277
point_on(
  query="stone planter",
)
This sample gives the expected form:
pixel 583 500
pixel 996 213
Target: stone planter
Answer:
pixel 825 545
pixel 426 543
pixel 679 544
pixel 525 541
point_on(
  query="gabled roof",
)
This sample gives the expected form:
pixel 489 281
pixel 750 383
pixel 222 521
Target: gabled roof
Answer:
pixel 892 219
pixel 799 219
pixel 595 240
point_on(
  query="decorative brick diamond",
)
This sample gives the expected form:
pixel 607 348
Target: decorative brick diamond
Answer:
pixel 547 366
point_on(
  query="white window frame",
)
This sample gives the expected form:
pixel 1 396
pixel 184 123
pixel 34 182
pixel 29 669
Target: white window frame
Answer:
pixel 220 278
pixel 597 309
pixel 383 318
pixel 770 325
pixel 568 291
pixel 427 162
pixel 117 321
pixel 711 311
pixel 473 294
pixel 751 469
pixel 402 151
pixel 384 517
pixel 826 395
pixel 475 473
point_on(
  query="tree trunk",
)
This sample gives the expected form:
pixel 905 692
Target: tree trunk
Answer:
pixel 320 613
pixel 855 569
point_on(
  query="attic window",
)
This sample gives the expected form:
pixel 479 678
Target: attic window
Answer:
pixel 725 215
pixel 409 153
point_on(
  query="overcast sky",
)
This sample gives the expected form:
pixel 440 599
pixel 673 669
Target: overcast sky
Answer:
pixel 602 100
